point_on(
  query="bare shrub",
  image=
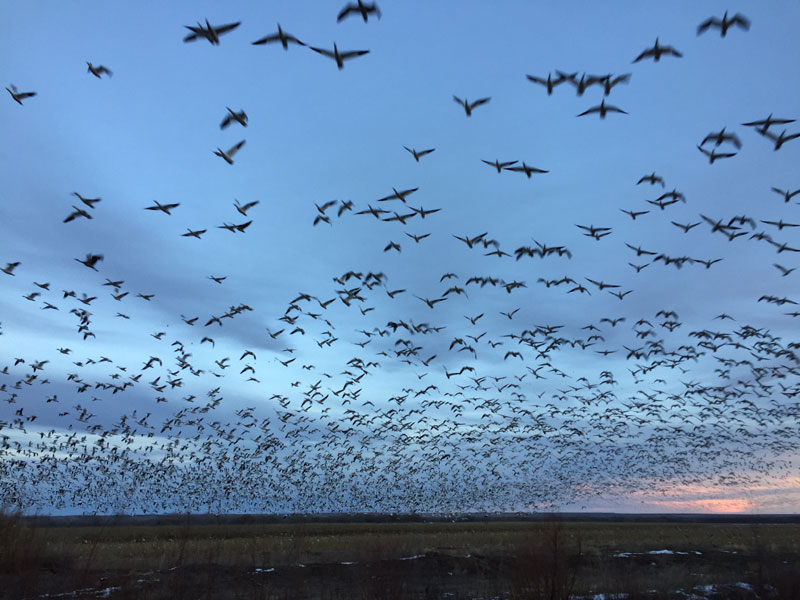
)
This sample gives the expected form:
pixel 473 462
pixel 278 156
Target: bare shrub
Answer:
pixel 544 567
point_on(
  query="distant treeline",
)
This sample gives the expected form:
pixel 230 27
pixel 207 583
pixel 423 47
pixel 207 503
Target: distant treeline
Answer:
pixel 255 519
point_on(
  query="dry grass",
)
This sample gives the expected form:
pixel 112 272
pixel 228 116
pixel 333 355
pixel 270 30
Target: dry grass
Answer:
pixel 509 559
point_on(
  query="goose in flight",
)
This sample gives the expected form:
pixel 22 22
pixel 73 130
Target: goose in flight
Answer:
pixel 652 179
pixel 209 32
pixel 19 96
pixel 165 208
pixel 787 195
pixel 781 139
pixel 282 37
pixel 194 234
pixel 239 117
pixel 360 8
pixel 90 202
pixel 549 83
pixel 633 214
pixel 339 57
pixel 422 211
pixel 763 125
pixel 724 24
pixel 244 208
pixel 98 70
pixel 417 154
pixel 718 137
pixel 499 165
pixel 77 212
pixel 228 156
pixel 470 106
pixel 657 51
pixel 9 268
pixel 528 170
pixel 714 155
pixel 398 195
pixel 609 82
pixel 91 260
pixel 603 109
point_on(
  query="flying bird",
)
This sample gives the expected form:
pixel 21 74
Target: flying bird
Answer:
pixel 714 155
pixel 602 109
pixel 470 106
pixel 360 8
pixel 98 70
pixel 281 36
pixel 339 57
pixel 77 212
pixel 90 202
pixel 398 195
pixel 724 24
pixel 228 156
pixel 9 268
pixel 781 139
pixel 721 136
pixel 243 208
pixel 657 51
pixel 652 179
pixel 763 125
pixel 209 32
pixel 238 117
pixel 787 195
pixel 549 83
pixel 417 154
pixel 19 96
pixel 499 165
pixel 524 168
pixel 165 208
pixel 91 260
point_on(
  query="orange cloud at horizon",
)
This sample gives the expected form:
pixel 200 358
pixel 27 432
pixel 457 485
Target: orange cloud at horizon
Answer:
pixel 707 505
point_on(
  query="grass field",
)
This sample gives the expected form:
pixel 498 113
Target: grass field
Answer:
pixel 546 559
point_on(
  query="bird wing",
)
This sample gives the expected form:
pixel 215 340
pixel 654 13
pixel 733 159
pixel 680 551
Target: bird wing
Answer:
pixel 235 149
pixel 352 54
pixel 323 51
pixel 741 20
pixel 196 33
pixel 226 28
pixel 345 11
pixel 266 39
pixel 704 26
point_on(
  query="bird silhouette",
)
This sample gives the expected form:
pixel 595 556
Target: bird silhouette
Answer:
pixel 470 106
pixel 209 32
pixel 657 51
pixel 281 36
pixel 724 23
pixel 339 57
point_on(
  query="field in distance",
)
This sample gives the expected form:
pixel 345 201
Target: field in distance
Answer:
pixel 487 557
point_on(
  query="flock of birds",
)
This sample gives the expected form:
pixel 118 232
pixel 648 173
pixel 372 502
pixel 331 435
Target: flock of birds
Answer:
pixel 492 410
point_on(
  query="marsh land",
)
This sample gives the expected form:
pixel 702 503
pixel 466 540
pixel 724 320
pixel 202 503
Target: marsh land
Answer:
pixel 369 556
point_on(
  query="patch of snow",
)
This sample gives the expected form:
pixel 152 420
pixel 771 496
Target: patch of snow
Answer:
pixel 349 562
pixel 100 593
pixel 412 557
pixel 259 570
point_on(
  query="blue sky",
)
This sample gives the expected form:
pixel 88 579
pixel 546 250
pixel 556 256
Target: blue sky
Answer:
pixel 675 426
